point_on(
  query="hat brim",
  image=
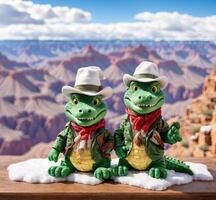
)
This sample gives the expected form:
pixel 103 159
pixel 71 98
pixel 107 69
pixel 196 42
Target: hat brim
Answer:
pixel 105 92
pixel 161 79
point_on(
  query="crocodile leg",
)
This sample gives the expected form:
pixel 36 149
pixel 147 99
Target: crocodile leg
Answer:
pixel 64 170
pixel 103 170
pixel 157 169
pixel 122 168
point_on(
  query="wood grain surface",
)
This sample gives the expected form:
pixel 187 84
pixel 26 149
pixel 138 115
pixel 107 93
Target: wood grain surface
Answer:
pixel 17 190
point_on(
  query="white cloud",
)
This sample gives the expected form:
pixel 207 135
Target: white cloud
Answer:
pixel 178 26
pixel 9 15
pixel 47 22
pixel 40 13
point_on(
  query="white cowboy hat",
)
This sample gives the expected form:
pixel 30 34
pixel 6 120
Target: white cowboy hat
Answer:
pixel 146 72
pixel 88 82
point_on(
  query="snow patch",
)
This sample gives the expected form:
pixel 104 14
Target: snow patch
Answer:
pixel 205 129
pixel 35 171
pixel 141 179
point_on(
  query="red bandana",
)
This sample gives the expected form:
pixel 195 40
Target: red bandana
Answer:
pixel 86 132
pixel 143 122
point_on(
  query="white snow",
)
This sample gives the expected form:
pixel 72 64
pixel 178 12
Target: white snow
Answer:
pixel 35 171
pixel 141 179
pixel 205 129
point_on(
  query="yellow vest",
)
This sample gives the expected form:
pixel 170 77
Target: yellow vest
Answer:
pixel 138 157
pixel 82 161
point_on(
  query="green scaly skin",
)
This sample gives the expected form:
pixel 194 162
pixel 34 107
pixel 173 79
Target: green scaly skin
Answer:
pixel 144 98
pixel 84 111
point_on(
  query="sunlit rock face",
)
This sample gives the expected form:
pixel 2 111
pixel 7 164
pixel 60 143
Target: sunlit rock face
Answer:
pixel 198 122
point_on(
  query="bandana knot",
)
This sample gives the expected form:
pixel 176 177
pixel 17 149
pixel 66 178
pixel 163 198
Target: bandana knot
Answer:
pixel 143 122
pixel 86 132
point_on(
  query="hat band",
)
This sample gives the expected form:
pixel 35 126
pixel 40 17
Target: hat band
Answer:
pixel 145 76
pixel 93 88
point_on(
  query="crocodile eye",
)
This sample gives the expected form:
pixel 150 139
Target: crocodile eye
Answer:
pixel 74 101
pixel 154 89
pixel 134 88
pixel 97 101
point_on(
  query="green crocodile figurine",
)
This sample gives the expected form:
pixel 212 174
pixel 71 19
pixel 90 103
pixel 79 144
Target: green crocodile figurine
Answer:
pixel 85 141
pixel 139 142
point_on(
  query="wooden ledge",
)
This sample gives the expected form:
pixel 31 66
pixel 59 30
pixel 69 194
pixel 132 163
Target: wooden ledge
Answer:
pixel 17 190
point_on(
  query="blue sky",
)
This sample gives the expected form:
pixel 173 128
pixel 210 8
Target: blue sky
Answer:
pixel 105 20
pixel 108 11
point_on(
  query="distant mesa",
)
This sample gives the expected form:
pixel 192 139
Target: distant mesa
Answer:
pixel 10 64
pixel 16 84
pixel 88 56
pixel 88 49
pixel 170 65
pixel 200 61
pixel 63 73
pixel 140 51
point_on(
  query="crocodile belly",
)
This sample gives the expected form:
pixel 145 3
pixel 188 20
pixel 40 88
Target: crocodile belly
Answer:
pixel 82 161
pixel 138 158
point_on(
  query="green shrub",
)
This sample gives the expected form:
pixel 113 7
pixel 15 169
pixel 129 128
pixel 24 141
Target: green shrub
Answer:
pixel 208 113
pixel 195 129
pixel 185 143
pixel 204 148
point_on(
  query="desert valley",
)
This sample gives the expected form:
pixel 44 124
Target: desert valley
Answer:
pixel 33 72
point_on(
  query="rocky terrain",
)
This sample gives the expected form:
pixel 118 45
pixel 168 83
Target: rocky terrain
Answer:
pixel 199 123
pixel 32 74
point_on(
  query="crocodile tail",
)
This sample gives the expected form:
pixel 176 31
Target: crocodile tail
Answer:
pixel 177 165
